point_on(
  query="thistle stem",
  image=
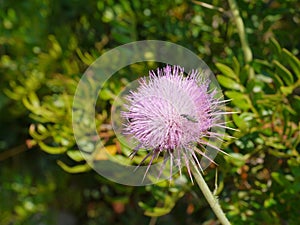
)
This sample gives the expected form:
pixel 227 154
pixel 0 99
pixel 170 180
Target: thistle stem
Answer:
pixel 213 202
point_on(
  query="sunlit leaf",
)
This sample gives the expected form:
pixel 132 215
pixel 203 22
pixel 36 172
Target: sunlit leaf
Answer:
pixel 239 99
pixel 106 94
pixel 236 159
pixel 74 169
pixel 155 211
pixel 287 90
pixel 51 149
pixel 236 66
pixel 226 70
pixel 229 83
pixel 76 155
pixel 239 122
pixel 41 135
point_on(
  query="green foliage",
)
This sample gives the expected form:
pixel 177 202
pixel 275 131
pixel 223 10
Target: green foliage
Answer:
pixel 268 136
pixel 45 46
pixel 165 196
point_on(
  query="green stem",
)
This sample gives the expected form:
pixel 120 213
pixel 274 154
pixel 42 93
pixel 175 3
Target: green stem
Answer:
pixel 213 202
pixel 242 34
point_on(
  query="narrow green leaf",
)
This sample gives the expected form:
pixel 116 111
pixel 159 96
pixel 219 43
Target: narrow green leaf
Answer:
pixel 38 136
pixel 121 38
pixel 276 79
pixel 74 169
pixel 284 73
pixel 13 94
pixel 239 122
pixel 286 90
pixel 255 86
pixel 275 145
pixel 242 104
pixel 154 211
pixel 296 103
pixel 269 202
pixel 244 74
pixel 261 63
pixel 41 128
pixel 75 155
pixel 280 179
pixel 106 94
pixel 51 149
pixel 229 83
pixel 239 99
pixel 236 158
pixel 275 46
pixel 85 58
pixel 56 50
pixel 226 70
pixel 158 211
pixel 236 66
pixel 292 60
pixel 234 95
pixel 289 109
pixel 31 102
pixel 264 78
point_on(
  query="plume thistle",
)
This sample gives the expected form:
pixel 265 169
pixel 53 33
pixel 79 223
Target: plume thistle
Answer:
pixel 173 114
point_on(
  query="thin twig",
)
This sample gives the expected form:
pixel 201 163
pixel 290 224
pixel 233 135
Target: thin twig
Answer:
pixel 209 6
pixel 12 152
pixel 153 220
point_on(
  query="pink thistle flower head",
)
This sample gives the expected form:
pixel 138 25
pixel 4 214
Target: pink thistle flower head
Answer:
pixel 171 113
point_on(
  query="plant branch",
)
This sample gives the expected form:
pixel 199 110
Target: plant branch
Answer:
pixel 248 57
pixel 12 152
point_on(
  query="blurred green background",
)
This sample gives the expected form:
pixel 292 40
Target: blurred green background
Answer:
pixel 45 46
